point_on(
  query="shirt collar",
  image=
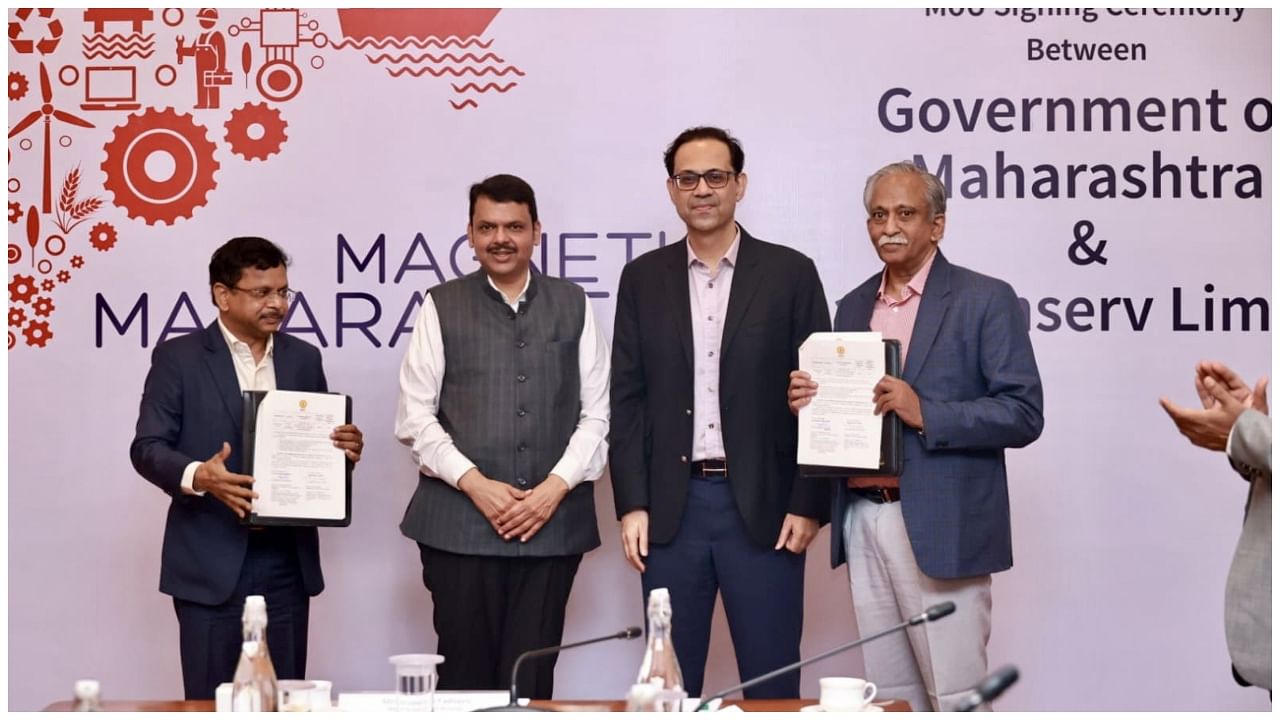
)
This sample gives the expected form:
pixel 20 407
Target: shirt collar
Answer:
pixel 524 291
pixel 240 346
pixel 914 287
pixel 730 255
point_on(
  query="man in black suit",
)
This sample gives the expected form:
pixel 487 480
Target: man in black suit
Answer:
pixel 188 444
pixel 702 443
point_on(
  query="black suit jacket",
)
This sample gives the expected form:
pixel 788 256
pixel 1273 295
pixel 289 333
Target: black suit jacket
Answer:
pixel 190 405
pixel 775 303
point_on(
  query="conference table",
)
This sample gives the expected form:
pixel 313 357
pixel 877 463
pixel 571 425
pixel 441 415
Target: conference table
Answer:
pixel 560 705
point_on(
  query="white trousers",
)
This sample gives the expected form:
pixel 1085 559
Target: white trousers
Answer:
pixel 931 665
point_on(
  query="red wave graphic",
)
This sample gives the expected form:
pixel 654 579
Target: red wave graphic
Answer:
pixel 407 58
pixel 419 72
pixel 421 44
pixel 463 104
pixel 138 53
pixel 117 37
pixel 415 23
pixel 486 88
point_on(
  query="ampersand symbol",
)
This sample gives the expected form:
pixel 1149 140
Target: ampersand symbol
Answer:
pixel 1081 252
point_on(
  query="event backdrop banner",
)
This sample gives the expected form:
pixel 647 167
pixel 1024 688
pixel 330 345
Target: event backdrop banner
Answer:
pixel 1113 165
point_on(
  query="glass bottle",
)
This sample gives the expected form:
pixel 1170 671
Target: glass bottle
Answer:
pixel 660 668
pixel 254 686
pixel 88 696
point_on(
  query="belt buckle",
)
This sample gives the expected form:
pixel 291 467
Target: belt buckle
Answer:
pixel 715 467
pixel 885 496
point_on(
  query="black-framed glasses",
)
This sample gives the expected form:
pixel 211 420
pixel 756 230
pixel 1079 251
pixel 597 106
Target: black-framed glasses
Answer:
pixel 261 294
pixel 715 179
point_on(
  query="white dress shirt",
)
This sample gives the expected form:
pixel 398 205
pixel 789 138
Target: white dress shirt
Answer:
pixel 432 448
pixel 250 374
pixel 708 303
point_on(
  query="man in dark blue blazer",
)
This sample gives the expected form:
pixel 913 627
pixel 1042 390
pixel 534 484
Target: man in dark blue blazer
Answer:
pixel 969 390
pixel 188 443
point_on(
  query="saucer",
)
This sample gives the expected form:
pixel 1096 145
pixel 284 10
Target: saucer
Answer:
pixel 818 708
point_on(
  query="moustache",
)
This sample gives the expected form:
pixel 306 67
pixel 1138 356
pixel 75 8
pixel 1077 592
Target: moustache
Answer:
pixel 500 247
pixel 898 239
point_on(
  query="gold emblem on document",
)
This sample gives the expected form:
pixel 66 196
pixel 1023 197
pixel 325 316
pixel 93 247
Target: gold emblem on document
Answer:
pixel 302 404
pixel 840 351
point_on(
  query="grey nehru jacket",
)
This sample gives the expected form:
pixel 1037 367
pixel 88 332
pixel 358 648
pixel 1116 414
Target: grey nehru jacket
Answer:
pixel 510 399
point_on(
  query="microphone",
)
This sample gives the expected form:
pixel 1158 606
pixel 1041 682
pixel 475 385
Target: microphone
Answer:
pixel 991 687
pixel 512 706
pixel 935 612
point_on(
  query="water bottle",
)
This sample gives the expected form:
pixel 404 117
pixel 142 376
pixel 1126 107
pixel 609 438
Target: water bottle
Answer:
pixel 660 668
pixel 254 686
pixel 88 696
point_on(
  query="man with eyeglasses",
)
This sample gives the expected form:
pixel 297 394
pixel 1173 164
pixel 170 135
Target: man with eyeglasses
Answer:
pixel 188 443
pixel 702 447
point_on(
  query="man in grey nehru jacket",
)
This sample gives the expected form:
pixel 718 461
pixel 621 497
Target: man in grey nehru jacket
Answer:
pixel 504 401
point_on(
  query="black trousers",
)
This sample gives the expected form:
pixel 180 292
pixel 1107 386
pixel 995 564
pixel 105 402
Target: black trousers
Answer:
pixel 209 636
pixel 488 610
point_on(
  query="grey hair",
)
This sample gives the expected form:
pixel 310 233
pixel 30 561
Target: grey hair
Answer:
pixel 934 191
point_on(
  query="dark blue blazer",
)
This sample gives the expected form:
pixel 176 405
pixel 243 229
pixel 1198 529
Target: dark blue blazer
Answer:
pixel 971 363
pixel 190 405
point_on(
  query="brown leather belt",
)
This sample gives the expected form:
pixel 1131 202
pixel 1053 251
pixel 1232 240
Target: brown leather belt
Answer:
pixel 878 494
pixel 709 468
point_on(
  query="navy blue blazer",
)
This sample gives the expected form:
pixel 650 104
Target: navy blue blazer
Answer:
pixel 190 405
pixel 972 366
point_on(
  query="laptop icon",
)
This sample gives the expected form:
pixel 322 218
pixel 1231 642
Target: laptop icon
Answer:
pixel 110 88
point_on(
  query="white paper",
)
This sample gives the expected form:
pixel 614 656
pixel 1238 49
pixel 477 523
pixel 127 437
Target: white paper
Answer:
pixel 839 426
pixel 297 471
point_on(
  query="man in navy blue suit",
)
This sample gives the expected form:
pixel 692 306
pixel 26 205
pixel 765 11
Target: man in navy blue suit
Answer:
pixel 188 443
pixel 969 390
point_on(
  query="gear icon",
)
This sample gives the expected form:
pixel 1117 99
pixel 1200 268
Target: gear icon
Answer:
pixel 102 237
pixel 38 333
pixel 244 119
pixel 160 131
pixel 17 316
pixel 64 276
pixel 17 86
pixel 44 307
pixel 15 213
pixel 77 262
pixel 22 288
pixel 46 285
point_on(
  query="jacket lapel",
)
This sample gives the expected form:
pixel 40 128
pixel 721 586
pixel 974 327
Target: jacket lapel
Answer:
pixel 676 279
pixel 933 308
pixel 217 359
pixel 747 276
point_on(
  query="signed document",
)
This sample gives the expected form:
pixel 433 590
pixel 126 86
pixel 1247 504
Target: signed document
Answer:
pixel 839 427
pixel 300 477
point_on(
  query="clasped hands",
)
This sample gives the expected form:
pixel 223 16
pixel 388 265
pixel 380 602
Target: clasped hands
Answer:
pixel 1223 397
pixel 514 513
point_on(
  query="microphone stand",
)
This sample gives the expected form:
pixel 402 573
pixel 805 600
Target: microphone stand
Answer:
pixel 512 705
pixel 937 611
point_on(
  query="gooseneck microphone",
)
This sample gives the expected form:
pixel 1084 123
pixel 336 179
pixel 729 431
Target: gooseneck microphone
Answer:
pixel 940 610
pixel 512 706
pixel 991 687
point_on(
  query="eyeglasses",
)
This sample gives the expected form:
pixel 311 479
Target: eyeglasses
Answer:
pixel 716 179
pixel 261 294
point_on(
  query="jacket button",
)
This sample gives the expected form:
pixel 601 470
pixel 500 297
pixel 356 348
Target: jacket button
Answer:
pixel 688 412
pixel 521 344
pixel 521 412
pixel 520 378
pixel 521 482
pixel 684 459
pixel 522 447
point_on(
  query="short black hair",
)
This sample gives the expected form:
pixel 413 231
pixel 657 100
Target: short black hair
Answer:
pixel 504 189
pixel 230 261
pixel 737 158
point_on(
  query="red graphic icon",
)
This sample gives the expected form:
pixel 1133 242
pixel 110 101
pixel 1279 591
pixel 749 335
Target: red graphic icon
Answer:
pixel 46 285
pixel 71 209
pixel 17 316
pixel 15 213
pixel 103 236
pixel 48 112
pixel 77 262
pixel 64 276
pixel 22 288
pixel 54 245
pixel 184 142
pixel 424 28
pixel 210 53
pixel 39 34
pixel 37 334
pixel 255 119
pixel 17 86
pixel 43 306
pixel 120 45
pixel 280 34
pixel 110 88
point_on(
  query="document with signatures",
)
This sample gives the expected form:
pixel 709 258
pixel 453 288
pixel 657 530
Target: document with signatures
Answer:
pixel 300 477
pixel 839 431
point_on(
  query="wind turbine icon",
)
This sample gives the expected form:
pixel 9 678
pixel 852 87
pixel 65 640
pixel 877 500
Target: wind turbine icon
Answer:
pixel 48 112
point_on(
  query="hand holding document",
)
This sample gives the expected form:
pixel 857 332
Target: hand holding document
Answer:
pixel 300 477
pixel 839 427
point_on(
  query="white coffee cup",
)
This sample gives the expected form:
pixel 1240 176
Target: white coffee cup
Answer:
pixel 321 695
pixel 845 694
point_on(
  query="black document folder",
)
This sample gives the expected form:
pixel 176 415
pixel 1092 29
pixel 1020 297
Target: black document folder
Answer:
pixel 252 399
pixel 890 436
